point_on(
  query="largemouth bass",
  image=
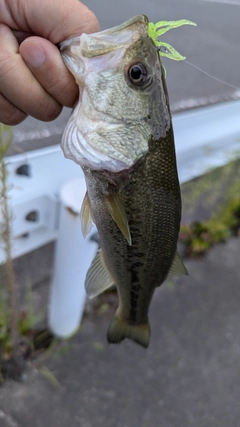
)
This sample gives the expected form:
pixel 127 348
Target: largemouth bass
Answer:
pixel 121 134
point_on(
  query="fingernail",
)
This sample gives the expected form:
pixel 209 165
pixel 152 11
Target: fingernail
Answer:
pixel 36 57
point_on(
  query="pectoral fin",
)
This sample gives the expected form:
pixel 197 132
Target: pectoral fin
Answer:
pixel 86 216
pixel 98 278
pixel 177 268
pixel 118 215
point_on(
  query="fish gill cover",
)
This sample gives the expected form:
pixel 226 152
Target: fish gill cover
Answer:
pixel 160 28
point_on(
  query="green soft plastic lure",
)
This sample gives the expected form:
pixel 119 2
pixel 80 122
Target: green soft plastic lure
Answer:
pixel 160 28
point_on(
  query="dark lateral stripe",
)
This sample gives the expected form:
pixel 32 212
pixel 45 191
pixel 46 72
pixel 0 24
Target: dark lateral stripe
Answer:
pixel 134 295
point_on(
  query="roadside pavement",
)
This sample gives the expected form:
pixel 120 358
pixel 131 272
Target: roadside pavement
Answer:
pixel 189 376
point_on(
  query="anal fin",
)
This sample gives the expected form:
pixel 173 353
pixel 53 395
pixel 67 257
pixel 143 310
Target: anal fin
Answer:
pixel 177 267
pixel 98 278
pixel 118 215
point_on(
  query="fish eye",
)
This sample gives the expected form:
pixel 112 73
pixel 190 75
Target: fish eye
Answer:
pixel 138 74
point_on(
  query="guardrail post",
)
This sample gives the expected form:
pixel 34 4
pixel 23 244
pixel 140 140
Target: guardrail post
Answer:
pixel 73 257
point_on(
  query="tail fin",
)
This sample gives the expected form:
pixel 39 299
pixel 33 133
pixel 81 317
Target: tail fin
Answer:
pixel 120 329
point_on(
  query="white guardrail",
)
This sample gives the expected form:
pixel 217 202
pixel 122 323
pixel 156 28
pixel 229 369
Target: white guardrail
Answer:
pixel 45 200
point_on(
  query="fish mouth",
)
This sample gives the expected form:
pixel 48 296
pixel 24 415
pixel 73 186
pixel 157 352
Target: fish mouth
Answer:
pixel 75 50
pixel 96 137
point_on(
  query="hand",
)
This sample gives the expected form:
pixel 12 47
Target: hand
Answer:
pixel 33 78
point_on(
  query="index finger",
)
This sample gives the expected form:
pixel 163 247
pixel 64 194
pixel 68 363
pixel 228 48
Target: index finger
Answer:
pixel 55 20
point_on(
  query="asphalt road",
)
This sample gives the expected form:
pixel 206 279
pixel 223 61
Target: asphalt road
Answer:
pixel 212 46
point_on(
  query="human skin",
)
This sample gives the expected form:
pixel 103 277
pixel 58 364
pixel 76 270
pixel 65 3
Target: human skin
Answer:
pixel 33 78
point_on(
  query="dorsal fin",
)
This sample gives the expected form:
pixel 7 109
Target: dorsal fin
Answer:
pixel 98 278
pixel 86 216
pixel 177 267
pixel 118 215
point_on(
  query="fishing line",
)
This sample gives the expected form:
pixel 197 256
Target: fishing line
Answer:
pixel 212 77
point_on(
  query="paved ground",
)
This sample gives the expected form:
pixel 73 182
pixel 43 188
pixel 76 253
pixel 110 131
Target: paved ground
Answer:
pixel 188 377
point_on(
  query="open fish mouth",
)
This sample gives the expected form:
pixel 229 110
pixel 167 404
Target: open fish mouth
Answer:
pixel 97 44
